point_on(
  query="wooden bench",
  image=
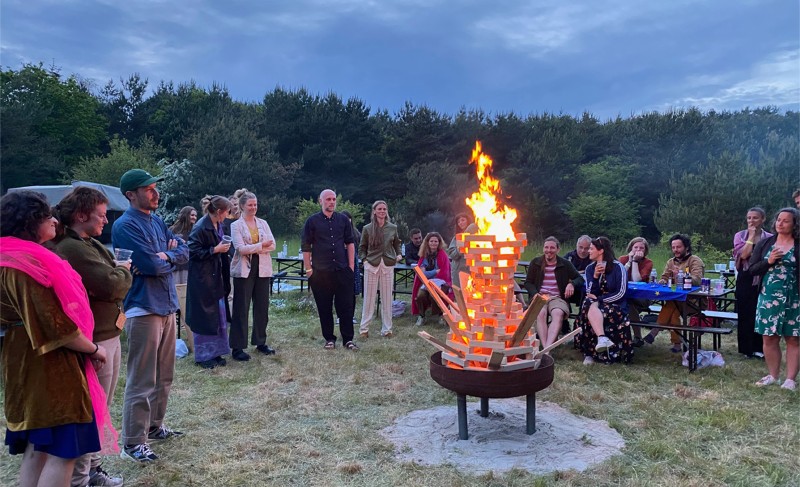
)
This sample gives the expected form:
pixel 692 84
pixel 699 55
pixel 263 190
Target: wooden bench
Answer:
pixel 691 335
pixel 718 317
pixel 285 276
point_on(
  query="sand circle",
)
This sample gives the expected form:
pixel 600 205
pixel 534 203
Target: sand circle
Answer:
pixel 498 443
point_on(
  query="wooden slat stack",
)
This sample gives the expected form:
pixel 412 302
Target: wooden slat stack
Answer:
pixel 485 316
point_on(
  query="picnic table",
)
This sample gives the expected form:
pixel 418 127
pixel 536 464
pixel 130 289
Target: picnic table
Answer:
pixel 690 335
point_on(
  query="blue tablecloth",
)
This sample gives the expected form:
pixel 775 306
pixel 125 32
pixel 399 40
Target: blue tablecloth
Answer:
pixel 656 292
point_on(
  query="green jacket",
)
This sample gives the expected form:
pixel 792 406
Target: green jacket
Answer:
pixel 388 251
pixel 105 283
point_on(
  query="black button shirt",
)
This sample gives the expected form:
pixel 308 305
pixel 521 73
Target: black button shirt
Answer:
pixel 327 240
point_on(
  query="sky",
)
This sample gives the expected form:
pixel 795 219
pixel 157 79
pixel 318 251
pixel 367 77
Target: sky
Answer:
pixel 606 57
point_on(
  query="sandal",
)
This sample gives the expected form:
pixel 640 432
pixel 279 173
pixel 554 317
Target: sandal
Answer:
pixel 330 345
pixel 351 346
pixel 766 380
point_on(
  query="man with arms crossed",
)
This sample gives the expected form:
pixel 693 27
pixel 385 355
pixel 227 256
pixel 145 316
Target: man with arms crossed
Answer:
pixel 150 310
pixel 556 278
pixel 328 249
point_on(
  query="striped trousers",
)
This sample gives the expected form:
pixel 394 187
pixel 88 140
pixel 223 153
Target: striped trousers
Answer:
pixel 380 278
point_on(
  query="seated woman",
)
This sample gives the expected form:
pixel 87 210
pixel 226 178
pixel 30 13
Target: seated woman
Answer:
pixel 54 406
pixel 605 330
pixel 638 268
pixel 436 265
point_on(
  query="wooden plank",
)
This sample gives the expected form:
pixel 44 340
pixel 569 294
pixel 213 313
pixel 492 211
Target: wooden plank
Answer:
pixel 528 319
pixel 462 306
pixel 558 342
pixel 438 343
pixel 496 360
pixel 446 314
pixel 509 301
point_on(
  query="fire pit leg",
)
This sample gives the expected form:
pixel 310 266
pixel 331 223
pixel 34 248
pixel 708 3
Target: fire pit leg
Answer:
pixel 484 407
pixel 530 413
pixel 461 399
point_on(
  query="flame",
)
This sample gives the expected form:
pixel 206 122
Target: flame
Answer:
pixel 488 216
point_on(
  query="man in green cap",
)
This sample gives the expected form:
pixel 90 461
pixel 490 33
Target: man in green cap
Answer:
pixel 150 308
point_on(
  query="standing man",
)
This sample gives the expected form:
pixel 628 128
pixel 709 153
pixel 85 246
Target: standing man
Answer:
pixel 150 308
pixel 328 249
pixel 558 279
pixel 412 248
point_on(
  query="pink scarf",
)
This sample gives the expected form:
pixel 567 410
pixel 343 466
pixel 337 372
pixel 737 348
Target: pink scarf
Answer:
pixel 51 271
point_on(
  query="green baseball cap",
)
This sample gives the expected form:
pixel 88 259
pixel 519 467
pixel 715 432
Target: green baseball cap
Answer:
pixel 136 178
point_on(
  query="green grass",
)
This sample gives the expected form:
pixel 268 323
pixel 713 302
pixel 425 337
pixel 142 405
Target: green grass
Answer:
pixel 311 417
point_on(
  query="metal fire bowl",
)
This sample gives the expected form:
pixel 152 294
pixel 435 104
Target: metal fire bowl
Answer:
pixel 493 384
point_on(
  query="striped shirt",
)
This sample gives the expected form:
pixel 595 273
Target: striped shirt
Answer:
pixel 549 284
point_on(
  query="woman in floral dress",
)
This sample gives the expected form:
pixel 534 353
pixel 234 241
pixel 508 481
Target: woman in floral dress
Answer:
pixel 778 313
pixel 605 330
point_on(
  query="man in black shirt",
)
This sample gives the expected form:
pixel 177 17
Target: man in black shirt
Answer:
pixel 329 256
pixel 580 256
pixel 412 248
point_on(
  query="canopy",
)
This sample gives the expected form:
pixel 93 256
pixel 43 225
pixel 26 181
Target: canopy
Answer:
pixel 116 200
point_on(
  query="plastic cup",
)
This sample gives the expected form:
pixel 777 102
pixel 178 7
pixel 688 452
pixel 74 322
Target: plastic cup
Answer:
pixel 122 255
pixel 732 265
pixel 718 285
pixel 227 239
pixel 719 267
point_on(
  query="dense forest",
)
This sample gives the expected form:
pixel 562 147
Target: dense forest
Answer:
pixel 651 174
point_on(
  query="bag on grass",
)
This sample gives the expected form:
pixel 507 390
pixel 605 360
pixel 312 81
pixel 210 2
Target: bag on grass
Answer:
pixel 705 358
pixel 398 308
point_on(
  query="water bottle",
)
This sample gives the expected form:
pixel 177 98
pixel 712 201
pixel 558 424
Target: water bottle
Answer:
pixel 679 280
pixel 403 250
pixel 653 277
pixel 285 249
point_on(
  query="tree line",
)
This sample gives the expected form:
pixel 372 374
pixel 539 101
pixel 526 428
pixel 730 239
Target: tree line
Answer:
pixel 650 174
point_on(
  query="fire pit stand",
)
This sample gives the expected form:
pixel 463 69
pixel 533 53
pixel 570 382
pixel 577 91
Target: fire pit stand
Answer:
pixel 493 384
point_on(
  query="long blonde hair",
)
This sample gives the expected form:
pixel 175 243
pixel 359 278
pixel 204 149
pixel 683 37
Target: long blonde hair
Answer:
pixel 375 232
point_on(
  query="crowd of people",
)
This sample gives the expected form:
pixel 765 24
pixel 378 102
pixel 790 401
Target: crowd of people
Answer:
pixel 66 300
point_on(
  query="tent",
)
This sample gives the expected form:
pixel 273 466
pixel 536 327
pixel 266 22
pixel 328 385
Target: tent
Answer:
pixel 117 202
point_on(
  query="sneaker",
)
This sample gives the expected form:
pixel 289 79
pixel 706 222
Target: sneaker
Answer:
pixel 220 361
pixel 351 346
pixel 766 381
pixel 603 343
pixel 649 338
pixel 388 334
pixel 163 433
pixel 240 355
pixel 139 453
pixel 420 321
pixel 758 355
pixel 99 477
pixel 207 364
pixel 266 349
pixel 588 361
pixel 789 385
pixel 638 342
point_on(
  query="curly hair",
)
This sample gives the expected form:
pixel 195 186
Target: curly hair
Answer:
pixel 79 201
pixel 687 242
pixel 21 214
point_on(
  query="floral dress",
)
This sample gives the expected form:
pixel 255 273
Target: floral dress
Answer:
pixel 778 311
pixel 616 327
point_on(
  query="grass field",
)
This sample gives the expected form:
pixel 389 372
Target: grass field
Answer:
pixel 311 417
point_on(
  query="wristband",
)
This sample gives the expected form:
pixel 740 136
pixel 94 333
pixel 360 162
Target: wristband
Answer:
pixel 96 348
pixel 749 242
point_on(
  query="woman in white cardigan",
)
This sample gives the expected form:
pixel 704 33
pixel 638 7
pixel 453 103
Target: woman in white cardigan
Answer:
pixel 251 270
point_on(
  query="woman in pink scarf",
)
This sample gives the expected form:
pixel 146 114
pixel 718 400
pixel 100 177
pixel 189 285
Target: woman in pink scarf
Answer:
pixel 55 407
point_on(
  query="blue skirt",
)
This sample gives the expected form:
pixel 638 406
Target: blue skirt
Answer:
pixel 65 441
